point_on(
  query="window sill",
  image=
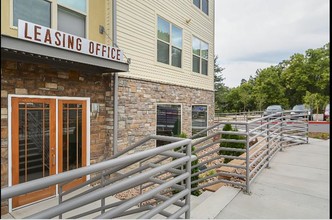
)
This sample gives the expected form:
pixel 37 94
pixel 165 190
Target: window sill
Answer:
pixel 167 66
pixel 200 74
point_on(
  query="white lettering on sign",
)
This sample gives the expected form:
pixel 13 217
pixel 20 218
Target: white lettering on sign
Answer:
pixel 44 35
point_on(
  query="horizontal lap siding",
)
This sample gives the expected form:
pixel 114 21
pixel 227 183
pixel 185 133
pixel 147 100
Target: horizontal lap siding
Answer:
pixel 137 30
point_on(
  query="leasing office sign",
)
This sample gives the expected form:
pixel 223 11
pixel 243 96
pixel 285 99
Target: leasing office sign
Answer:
pixel 47 36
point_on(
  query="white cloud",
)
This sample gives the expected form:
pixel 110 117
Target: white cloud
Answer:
pixel 267 31
pixel 236 71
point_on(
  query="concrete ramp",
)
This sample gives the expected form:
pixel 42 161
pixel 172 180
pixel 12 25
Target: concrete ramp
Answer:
pixel 212 205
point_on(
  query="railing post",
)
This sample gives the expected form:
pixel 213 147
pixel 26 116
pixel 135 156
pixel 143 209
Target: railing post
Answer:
pixel 307 133
pixel 60 197
pixel 281 131
pixel 188 180
pixel 247 161
pixel 140 186
pixel 268 142
pixel 102 199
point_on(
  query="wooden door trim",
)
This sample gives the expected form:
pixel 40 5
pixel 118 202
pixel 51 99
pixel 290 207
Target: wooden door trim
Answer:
pixel 60 138
pixel 49 191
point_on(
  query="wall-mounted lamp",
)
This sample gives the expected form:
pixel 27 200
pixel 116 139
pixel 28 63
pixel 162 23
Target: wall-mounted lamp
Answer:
pixel 101 29
pixel 129 60
pixel 94 110
pixel 188 20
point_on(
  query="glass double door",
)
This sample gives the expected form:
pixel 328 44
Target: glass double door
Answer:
pixel 34 151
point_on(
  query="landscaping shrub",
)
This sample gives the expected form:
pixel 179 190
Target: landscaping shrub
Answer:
pixel 228 127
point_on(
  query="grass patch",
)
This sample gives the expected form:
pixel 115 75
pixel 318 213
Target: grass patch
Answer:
pixel 319 135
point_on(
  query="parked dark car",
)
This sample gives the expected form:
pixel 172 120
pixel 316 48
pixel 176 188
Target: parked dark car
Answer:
pixel 272 109
pixel 327 113
pixel 301 111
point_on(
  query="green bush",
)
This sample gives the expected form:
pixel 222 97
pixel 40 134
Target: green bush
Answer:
pixel 228 127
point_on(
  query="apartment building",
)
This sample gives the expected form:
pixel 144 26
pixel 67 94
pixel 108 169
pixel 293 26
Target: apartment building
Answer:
pixel 82 79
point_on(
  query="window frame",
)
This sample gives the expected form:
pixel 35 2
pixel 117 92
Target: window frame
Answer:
pixel 207 121
pixel 170 44
pixel 181 111
pixel 83 14
pixel 201 6
pixel 11 14
pixel 54 15
pixel 201 58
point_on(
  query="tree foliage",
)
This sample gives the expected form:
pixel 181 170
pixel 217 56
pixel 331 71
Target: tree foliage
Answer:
pixel 219 85
pixel 293 81
pixel 218 78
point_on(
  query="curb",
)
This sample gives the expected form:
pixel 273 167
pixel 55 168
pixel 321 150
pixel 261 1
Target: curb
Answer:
pixel 319 122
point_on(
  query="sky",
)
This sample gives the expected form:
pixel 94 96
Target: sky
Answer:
pixel 255 34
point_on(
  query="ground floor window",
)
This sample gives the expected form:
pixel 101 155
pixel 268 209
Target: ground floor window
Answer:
pixel 168 120
pixel 199 119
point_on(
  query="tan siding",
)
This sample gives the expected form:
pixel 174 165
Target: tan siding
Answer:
pixel 96 17
pixel 99 13
pixel 137 33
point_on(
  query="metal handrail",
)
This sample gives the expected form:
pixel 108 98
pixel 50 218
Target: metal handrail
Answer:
pixel 112 187
pixel 271 133
pixel 160 170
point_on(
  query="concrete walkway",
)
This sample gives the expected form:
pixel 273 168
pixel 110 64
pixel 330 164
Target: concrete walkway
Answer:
pixel 295 187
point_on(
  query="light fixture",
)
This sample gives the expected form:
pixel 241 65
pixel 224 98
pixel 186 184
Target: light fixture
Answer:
pixel 188 20
pixel 94 110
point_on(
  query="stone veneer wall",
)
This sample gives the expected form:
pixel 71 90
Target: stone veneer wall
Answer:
pixel 40 79
pixel 138 107
pixel 137 104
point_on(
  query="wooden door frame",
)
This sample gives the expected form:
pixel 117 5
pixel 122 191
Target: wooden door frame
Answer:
pixel 9 105
pixel 60 139
pixel 40 194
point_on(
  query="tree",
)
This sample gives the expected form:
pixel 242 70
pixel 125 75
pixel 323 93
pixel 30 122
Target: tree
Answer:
pixel 245 91
pixel 316 101
pixel 287 84
pixel 218 79
pixel 308 72
pixel 219 87
pixel 269 87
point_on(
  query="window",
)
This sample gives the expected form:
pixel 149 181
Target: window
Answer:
pixel 168 121
pixel 200 56
pixel 169 43
pixel 199 119
pixel 35 11
pixel 71 16
pixel 203 5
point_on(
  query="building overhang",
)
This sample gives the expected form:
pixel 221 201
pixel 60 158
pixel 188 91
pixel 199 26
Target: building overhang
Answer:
pixel 25 51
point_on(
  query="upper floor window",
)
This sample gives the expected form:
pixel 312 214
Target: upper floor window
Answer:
pixel 169 43
pixel 71 14
pixel 35 11
pixel 200 56
pixel 203 5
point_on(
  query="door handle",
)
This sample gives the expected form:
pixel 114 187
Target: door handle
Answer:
pixel 53 156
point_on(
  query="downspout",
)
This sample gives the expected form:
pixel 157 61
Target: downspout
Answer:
pixel 116 84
